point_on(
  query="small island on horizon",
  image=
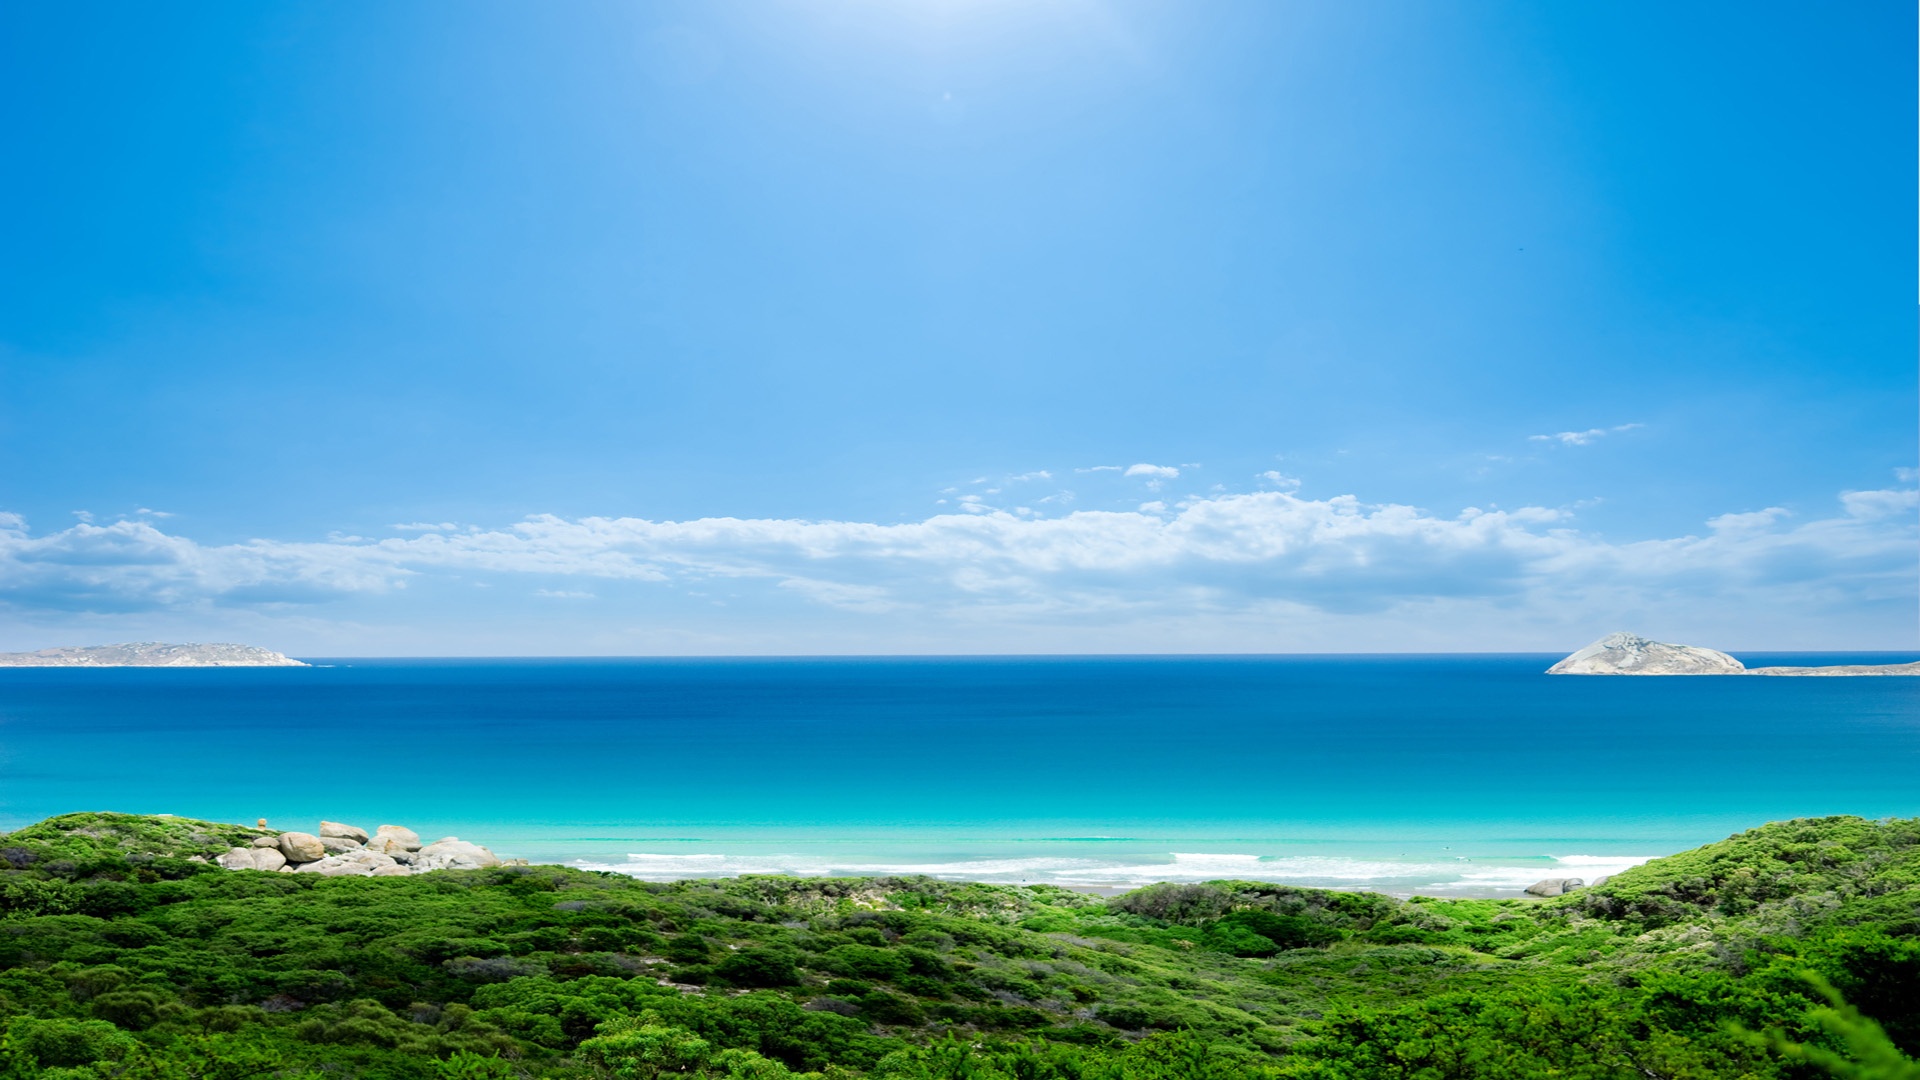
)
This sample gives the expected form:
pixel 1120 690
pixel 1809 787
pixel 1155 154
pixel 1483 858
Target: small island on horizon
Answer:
pixel 151 654
pixel 1631 654
pixel 1616 654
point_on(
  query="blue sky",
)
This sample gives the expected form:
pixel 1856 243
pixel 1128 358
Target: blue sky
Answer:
pixel 957 326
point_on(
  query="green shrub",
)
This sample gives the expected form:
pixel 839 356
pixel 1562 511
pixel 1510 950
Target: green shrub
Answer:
pixel 38 1043
pixel 865 962
pixel 759 967
pixel 121 959
pixel 687 949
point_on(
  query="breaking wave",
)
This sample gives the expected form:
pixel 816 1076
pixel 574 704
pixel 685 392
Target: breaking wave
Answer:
pixel 1465 875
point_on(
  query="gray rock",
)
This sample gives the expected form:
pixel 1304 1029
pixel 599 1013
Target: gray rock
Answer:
pixel 1599 881
pixel 1555 886
pixel 348 832
pixel 390 871
pixel 252 858
pixel 1630 654
pixel 356 863
pixel 266 841
pixel 453 853
pixel 400 834
pixel 336 845
pixel 404 858
pixel 301 847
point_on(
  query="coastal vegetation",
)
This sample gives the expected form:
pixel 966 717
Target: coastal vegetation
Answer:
pixel 1789 951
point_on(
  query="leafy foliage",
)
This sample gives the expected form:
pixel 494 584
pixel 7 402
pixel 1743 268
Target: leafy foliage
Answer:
pixel 123 955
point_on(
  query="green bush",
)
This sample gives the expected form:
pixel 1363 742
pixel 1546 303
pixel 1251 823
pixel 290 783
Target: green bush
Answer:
pixel 687 949
pixel 759 967
pixel 29 1043
pixel 122 959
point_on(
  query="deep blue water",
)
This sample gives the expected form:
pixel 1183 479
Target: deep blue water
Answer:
pixel 1462 773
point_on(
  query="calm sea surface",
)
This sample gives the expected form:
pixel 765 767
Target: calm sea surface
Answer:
pixel 1451 774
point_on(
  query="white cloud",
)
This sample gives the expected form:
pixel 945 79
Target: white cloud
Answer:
pixel 132 565
pixel 563 594
pixel 1155 474
pixel 1880 504
pixel 848 597
pixel 1100 468
pixel 1269 556
pixel 1037 474
pixel 1748 522
pixel 1583 438
pixel 1155 507
pixel 1279 479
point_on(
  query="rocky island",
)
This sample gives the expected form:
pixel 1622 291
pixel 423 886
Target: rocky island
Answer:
pixel 151 654
pixel 1631 654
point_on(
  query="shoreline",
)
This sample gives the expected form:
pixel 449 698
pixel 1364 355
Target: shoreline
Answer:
pixel 1469 877
pixel 1095 866
pixel 870 970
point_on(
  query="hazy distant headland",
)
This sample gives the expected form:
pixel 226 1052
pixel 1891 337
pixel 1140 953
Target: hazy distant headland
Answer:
pixel 151 654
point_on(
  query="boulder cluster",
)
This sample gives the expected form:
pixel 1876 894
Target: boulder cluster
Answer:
pixel 1561 886
pixel 348 851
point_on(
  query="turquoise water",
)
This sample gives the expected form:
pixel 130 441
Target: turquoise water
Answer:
pixel 1463 774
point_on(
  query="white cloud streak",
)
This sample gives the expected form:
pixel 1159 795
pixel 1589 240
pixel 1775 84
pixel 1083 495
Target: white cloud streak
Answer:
pixel 1584 438
pixel 1227 555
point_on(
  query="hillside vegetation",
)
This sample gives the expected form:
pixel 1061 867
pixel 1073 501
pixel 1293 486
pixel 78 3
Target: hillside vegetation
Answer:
pixel 122 956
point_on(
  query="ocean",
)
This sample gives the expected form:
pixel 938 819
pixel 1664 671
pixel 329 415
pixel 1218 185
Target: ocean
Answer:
pixel 1440 775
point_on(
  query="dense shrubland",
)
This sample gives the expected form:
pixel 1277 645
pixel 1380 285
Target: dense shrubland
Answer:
pixel 120 956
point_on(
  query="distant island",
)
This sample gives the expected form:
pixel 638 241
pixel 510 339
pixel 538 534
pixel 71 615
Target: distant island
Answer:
pixel 1631 654
pixel 151 654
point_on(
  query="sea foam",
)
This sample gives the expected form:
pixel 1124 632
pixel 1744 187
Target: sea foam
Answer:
pixel 1463 875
